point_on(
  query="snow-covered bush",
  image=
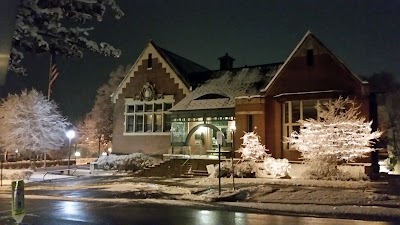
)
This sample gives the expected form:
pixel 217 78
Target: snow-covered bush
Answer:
pixel 339 134
pixel 252 149
pixel 132 162
pixel 318 170
pixel 245 169
pixel 17 174
pixel 226 169
pixel 257 162
pixel 277 167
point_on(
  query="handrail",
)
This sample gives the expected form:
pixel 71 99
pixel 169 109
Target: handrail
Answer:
pixel 53 172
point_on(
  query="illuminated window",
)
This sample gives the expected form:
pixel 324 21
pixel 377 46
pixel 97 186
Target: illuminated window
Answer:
pixel 129 123
pixel 139 123
pixel 293 111
pixel 148 116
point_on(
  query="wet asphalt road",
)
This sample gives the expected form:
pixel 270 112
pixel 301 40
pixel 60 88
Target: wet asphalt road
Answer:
pixel 55 212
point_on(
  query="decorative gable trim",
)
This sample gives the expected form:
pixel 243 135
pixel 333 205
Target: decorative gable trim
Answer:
pixel 308 33
pixel 150 49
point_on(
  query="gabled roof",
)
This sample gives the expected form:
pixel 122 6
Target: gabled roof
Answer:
pixel 185 72
pixel 220 91
pixel 308 34
pixel 183 67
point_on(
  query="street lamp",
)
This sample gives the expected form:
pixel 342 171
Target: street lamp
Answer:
pixel 70 134
pixel 233 129
pixel 172 130
pixel 77 154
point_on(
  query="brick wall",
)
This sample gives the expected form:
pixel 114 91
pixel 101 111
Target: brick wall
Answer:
pixel 164 83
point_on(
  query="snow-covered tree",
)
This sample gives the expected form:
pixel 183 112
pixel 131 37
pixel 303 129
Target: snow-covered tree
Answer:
pixel 30 122
pixel 252 149
pixel 87 136
pixel 102 111
pixel 339 134
pixel 59 27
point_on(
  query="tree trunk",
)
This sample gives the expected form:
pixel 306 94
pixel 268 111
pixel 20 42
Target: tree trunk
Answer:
pixel 33 160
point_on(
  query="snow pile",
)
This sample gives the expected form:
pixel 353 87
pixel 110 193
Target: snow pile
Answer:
pixel 277 167
pixel 132 162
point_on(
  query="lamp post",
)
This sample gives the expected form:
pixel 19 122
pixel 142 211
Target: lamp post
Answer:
pixel 172 130
pixel 233 129
pixel 101 139
pixel 70 134
pixel 77 154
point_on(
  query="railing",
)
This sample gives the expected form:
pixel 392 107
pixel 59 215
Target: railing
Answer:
pixel 60 172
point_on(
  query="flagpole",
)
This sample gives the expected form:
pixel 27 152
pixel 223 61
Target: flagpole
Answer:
pixel 48 98
pixel 48 88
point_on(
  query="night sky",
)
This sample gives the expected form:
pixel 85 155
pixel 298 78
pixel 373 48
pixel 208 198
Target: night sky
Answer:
pixel 364 34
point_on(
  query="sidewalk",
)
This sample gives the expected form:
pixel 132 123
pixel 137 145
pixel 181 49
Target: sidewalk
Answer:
pixel 46 175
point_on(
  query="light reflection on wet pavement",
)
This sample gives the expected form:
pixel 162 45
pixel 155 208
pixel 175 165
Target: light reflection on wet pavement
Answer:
pixel 55 212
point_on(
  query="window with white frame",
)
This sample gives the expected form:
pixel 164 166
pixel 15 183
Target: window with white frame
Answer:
pixel 148 116
pixel 293 111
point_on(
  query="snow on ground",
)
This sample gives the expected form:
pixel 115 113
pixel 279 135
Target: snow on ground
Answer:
pixel 331 198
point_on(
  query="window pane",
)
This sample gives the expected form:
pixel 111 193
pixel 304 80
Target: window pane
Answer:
pixel 167 106
pixel 295 111
pixel 139 123
pixel 158 123
pixel 149 107
pixel 139 108
pixel 167 123
pixel 149 123
pixel 309 110
pixel 296 128
pixel 130 109
pixel 157 107
pixel 286 112
pixel 286 131
pixel 129 124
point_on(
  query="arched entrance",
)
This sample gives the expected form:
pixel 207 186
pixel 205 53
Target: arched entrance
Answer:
pixel 195 128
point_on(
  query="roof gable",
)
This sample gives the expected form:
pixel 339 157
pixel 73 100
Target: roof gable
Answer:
pixel 309 41
pixel 178 67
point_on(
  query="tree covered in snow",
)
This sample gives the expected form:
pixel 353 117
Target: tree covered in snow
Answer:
pixel 251 148
pixel 339 134
pixel 98 123
pixel 30 122
pixel 102 111
pixel 87 136
pixel 59 27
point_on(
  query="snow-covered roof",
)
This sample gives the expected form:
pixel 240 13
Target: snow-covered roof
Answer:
pixel 220 91
pixel 307 92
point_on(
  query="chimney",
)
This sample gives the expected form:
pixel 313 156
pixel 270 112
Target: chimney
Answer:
pixel 226 62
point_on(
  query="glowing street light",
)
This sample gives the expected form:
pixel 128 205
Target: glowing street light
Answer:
pixel 70 135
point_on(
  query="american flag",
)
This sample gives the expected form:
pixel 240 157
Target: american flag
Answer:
pixel 53 74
